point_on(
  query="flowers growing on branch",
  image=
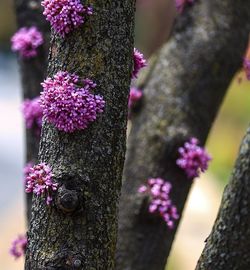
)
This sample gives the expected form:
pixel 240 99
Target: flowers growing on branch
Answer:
pixel 65 15
pixel 134 96
pixel 246 63
pixel 158 191
pixel 193 158
pixel 68 106
pixel 18 246
pixel 39 180
pixel 139 63
pixel 181 4
pixel 33 114
pixel 26 41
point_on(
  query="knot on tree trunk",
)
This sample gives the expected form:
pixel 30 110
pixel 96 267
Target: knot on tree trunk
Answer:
pixel 67 200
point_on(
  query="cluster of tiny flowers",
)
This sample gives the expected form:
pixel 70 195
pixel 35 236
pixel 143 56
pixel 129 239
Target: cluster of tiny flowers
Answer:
pixel 33 114
pixel 26 41
pixel 160 202
pixel 193 158
pixel 180 4
pixel 139 63
pixel 26 170
pixel 65 15
pixel 67 105
pixel 39 181
pixel 246 65
pixel 134 96
pixel 18 246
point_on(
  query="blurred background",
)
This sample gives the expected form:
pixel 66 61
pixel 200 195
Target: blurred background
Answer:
pixel 154 20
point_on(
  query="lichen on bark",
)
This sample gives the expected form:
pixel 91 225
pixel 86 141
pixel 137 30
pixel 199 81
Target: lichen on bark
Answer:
pixel 88 163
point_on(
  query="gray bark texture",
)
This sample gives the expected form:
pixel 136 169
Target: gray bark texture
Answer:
pixel 79 229
pixel 183 90
pixel 29 13
pixel 227 247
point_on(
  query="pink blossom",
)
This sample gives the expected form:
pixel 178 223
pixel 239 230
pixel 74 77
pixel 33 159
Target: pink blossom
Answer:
pixel 180 4
pixel 139 63
pixel 246 66
pixel 26 41
pixel 134 96
pixel 67 105
pixel 193 158
pixel 18 246
pixel 65 15
pixel 26 170
pixel 33 114
pixel 160 202
pixel 40 181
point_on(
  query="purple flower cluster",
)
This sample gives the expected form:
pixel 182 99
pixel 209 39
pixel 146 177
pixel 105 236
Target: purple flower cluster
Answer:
pixel 39 181
pixel 139 63
pixel 33 114
pixel 26 170
pixel 246 66
pixel 180 4
pixel 67 105
pixel 193 158
pixel 65 15
pixel 134 96
pixel 18 246
pixel 160 203
pixel 26 41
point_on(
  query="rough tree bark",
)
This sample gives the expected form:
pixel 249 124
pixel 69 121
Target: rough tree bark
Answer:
pixel 228 245
pixel 182 94
pixel 88 164
pixel 29 13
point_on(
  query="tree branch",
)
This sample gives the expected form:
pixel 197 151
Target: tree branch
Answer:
pixel 181 99
pixel 88 163
pixel 29 13
pixel 228 245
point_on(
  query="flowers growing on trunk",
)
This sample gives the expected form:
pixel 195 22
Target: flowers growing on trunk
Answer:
pixel 65 15
pixel 68 106
pixel 26 41
pixel 39 180
pixel 33 114
pixel 18 246
pixel 158 191
pixel 139 63
pixel 193 158
pixel 181 4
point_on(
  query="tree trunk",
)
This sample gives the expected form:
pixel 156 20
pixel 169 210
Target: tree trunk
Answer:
pixel 228 245
pixel 88 163
pixel 29 13
pixel 182 94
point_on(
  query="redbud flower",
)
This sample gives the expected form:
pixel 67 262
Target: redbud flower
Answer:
pixel 134 96
pixel 65 15
pixel 193 158
pixel 139 63
pixel 180 4
pixel 67 105
pixel 26 170
pixel 33 114
pixel 160 202
pixel 26 41
pixel 40 182
pixel 246 62
pixel 18 246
